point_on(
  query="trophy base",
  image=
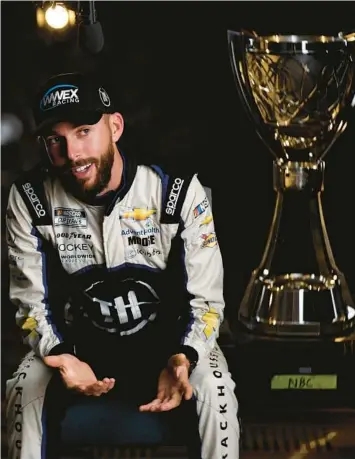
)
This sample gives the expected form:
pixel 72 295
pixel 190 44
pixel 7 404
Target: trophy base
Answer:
pixel 293 374
pixel 297 305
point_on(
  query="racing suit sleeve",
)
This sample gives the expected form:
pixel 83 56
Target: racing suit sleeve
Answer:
pixel 28 259
pixel 203 274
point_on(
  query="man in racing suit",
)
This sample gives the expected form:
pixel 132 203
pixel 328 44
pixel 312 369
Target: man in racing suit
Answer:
pixel 93 240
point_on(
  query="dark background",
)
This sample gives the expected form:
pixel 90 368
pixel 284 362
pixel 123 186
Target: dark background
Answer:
pixel 167 66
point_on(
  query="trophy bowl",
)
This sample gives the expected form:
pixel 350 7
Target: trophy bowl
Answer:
pixel 298 91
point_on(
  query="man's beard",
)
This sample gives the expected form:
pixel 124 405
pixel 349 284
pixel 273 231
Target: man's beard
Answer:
pixel 80 188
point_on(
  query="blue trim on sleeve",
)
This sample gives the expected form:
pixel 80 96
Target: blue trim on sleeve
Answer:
pixel 44 433
pixel 36 234
pixel 192 318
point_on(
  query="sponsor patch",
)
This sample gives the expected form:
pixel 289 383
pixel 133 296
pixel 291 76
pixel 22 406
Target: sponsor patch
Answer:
pixel 174 196
pixel 75 247
pixel 122 307
pixel 73 235
pixel 143 241
pixel 75 252
pixel 59 95
pixel 148 253
pixel 141 232
pixel 200 208
pixel 211 319
pixel 34 200
pixel 29 327
pixel 76 258
pixel 137 214
pixel 207 220
pixel 104 97
pixel 70 217
pixel 209 240
pixel 30 324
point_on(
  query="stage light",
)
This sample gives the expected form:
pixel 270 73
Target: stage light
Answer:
pixel 56 16
pixel 56 21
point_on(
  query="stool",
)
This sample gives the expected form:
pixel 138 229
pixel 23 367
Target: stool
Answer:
pixel 105 427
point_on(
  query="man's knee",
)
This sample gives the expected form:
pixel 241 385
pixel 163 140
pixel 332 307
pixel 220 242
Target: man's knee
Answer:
pixel 29 382
pixel 24 402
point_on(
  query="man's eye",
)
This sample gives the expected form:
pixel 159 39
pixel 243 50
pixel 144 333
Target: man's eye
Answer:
pixel 84 131
pixel 53 141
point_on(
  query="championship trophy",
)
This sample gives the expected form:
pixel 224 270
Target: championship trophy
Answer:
pixel 299 91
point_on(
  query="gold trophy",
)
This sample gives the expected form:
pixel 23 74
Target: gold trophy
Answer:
pixel 299 91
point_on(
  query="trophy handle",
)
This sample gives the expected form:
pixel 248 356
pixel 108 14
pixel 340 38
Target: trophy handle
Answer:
pixel 236 46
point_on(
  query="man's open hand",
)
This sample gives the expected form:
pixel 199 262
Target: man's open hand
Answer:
pixel 173 385
pixel 78 375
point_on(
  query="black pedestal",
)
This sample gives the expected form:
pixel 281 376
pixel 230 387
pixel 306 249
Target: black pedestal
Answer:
pixel 282 375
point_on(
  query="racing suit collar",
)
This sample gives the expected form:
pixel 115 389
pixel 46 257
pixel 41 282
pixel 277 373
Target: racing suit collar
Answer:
pixel 128 174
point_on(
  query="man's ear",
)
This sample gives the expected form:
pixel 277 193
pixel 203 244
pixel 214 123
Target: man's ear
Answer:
pixel 116 125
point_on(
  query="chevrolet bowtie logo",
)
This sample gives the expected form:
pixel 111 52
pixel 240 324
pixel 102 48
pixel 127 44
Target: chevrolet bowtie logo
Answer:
pixel 137 214
pixel 211 319
pixel 207 220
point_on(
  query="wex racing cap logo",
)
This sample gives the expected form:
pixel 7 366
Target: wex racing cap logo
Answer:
pixel 58 95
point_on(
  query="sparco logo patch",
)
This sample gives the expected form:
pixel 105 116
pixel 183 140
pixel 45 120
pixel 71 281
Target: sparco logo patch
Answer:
pixel 174 196
pixel 70 217
pixel 59 95
pixel 38 207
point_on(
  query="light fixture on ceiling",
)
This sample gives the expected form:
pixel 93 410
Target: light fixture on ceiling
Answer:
pixel 55 15
pixel 57 20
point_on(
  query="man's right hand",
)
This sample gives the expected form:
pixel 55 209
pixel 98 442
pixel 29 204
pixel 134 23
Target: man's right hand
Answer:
pixel 78 375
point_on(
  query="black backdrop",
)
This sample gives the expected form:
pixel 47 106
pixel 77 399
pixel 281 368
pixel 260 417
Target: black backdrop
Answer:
pixel 167 66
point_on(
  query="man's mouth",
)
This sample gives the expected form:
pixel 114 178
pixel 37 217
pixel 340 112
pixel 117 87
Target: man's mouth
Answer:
pixel 81 171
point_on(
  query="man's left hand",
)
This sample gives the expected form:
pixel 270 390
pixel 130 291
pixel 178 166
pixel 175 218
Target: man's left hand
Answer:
pixel 173 385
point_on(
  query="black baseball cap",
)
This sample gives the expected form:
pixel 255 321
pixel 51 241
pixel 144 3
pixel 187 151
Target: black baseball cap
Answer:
pixel 70 97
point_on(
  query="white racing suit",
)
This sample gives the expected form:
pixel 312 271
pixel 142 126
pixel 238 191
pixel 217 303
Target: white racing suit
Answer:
pixel 92 279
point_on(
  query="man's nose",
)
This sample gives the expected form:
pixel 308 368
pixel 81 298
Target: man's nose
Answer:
pixel 73 150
